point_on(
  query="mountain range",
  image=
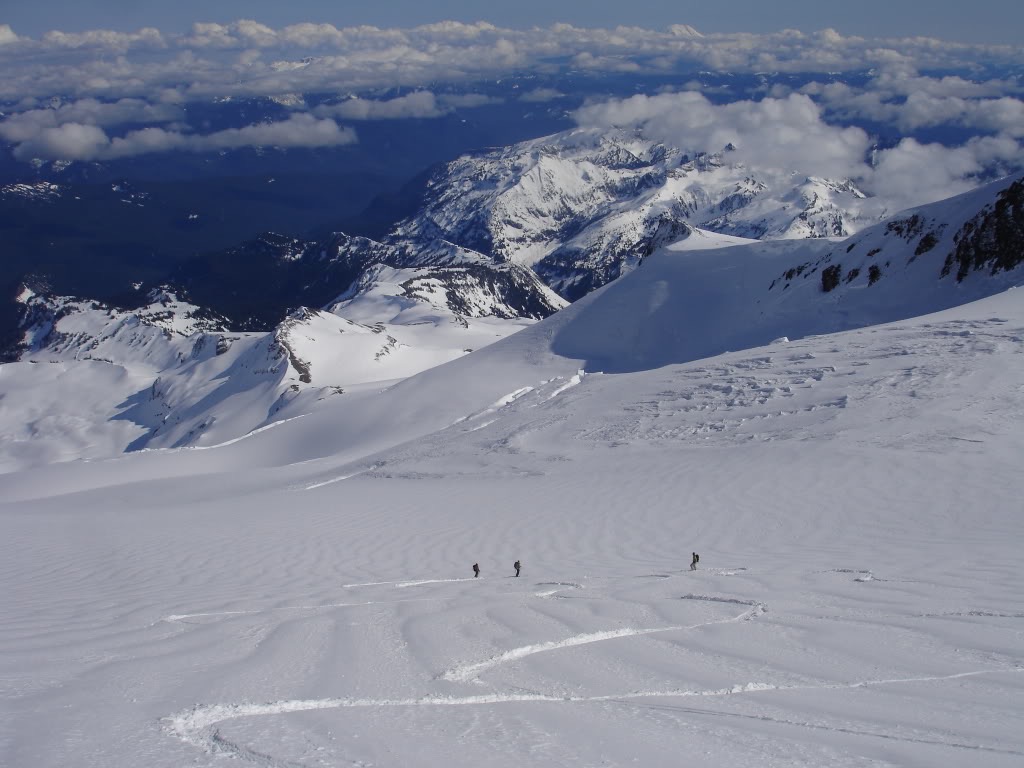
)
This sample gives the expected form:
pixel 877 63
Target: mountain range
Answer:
pixel 240 339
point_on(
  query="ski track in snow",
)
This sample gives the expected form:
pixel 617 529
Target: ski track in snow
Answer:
pixel 557 586
pixel 340 478
pixel 404 584
pixel 630 701
pixel 184 617
pixel 470 672
pixel 198 726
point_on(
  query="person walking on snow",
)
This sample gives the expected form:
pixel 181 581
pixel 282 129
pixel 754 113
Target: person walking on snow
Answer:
pixel 476 570
pixel 517 566
pixel 693 563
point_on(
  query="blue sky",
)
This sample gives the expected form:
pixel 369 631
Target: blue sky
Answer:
pixel 978 21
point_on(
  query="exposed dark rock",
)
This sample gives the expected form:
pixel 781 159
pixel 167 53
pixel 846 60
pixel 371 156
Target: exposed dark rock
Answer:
pixel 830 277
pixel 992 240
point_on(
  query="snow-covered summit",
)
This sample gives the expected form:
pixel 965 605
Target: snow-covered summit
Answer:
pixel 69 328
pixel 43 191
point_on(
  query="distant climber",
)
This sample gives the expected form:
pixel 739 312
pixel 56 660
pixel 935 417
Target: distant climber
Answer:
pixel 517 566
pixel 693 563
pixel 476 570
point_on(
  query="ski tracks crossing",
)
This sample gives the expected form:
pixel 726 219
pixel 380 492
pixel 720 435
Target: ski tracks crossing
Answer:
pixel 200 726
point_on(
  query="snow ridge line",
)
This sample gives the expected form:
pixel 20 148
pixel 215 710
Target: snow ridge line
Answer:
pixel 508 399
pixel 232 441
pixel 468 672
pixel 572 382
pixel 197 726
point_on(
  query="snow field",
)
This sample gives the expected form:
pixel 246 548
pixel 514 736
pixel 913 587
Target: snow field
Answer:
pixel 854 498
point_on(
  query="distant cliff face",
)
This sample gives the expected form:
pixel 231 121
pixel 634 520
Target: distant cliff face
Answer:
pixel 967 247
pixel 992 240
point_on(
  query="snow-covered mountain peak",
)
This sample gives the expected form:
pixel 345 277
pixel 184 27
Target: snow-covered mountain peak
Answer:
pixel 941 249
pixel 43 191
pixel 580 207
pixel 71 328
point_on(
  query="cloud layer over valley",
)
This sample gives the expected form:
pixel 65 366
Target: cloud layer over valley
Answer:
pixel 949 114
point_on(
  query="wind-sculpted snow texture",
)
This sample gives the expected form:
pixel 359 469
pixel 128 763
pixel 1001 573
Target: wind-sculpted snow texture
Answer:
pixel 584 206
pixel 303 596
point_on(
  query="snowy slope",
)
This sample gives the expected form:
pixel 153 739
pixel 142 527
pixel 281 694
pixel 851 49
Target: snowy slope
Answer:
pixel 701 295
pixel 687 304
pixel 95 381
pixel 854 498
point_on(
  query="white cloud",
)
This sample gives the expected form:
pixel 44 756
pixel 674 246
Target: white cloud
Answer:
pixel 254 33
pixel 418 104
pixel 913 173
pixel 70 141
pixel 1005 115
pixel 791 135
pixel 323 55
pixel 77 141
pixel 105 39
pixel 301 130
pixel 541 95
pixel 312 36
pixel 247 58
pixel 207 35
pixel 7 35
pixel 145 141
pixel 74 131
pixel 587 60
pixel 778 133
pixel 23 126
pixel 458 30
pixel 916 102
pixel 467 100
